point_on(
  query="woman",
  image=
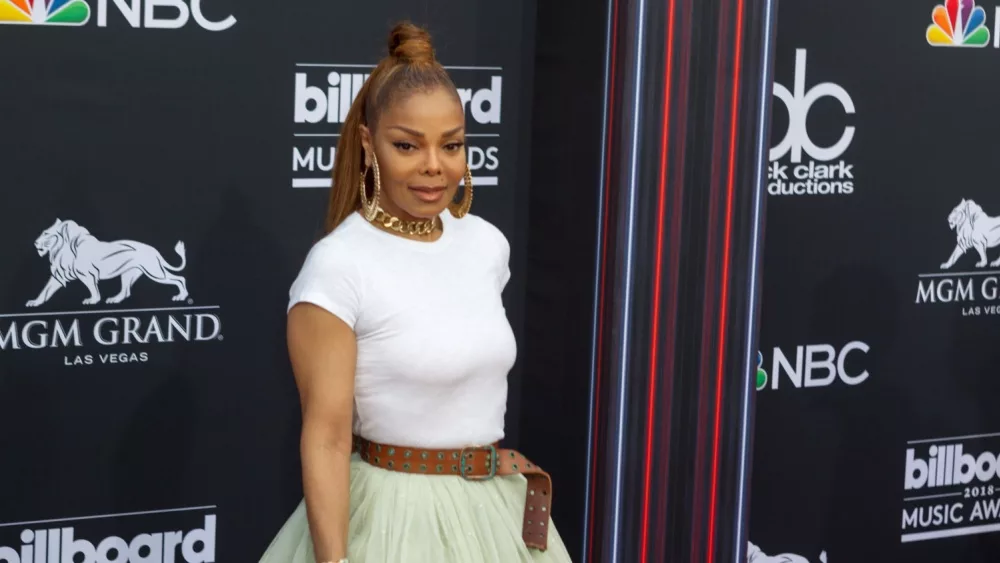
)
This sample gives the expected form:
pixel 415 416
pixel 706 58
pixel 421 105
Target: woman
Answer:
pixel 401 347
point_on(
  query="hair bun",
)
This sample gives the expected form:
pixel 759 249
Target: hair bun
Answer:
pixel 411 44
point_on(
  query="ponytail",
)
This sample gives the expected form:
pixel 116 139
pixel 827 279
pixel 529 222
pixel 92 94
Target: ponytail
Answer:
pixel 345 196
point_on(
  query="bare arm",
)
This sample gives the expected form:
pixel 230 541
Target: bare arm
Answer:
pixel 323 352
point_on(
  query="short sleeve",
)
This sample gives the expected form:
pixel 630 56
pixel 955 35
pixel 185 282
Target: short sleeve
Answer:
pixel 504 260
pixel 329 279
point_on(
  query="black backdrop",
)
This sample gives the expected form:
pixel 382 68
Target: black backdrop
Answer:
pixel 150 132
pixel 562 233
pixel 158 135
pixel 842 279
pixel 858 364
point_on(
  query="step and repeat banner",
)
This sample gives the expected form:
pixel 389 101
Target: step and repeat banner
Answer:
pixel 164 168
pixel 877 427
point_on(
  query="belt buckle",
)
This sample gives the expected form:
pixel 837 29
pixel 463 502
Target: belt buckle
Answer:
pixel 493 463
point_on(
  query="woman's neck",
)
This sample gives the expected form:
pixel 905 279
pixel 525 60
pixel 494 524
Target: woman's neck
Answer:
pixel 434 233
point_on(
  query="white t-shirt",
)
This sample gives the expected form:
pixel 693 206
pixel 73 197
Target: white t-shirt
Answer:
pixel 434 343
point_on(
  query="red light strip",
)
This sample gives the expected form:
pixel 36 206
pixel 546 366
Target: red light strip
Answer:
pixel 658 270
pixel 724 305
pixel 709 306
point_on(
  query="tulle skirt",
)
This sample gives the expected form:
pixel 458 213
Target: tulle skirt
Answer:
pixel 408 518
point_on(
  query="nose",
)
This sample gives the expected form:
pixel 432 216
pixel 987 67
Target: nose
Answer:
pixel 432 166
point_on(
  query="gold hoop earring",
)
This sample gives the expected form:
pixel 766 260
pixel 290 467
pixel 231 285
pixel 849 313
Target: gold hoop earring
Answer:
pixel 461 209
pixel 370 207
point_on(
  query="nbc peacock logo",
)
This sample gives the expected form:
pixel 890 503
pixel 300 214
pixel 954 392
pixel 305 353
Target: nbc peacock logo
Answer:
pixel 761 381
pixel 44 12
pixel 958 23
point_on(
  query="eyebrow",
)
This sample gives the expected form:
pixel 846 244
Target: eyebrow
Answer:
pixel 419 134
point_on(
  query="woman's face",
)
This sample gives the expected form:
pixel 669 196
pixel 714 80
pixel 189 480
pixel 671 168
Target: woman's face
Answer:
pixel 419 142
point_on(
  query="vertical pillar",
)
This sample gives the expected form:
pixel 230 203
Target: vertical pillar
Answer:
pixel 688 92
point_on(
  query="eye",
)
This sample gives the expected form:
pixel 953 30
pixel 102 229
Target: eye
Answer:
pixel 404 146
pixel 454 146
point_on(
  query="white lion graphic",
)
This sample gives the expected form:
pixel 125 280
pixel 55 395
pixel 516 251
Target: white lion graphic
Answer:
pixel 755 555
pixel 75 254
pixel 974 229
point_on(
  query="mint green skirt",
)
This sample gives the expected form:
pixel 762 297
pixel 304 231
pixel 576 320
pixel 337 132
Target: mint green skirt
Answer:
pixel 405 518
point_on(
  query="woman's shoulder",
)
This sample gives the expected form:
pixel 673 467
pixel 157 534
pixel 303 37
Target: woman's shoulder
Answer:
pixel 488 235
pixel 339 246
pixel 480 227
pixel 330 275
pixel 348 233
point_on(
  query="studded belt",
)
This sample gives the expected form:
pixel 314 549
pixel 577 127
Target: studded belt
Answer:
pixel 474 463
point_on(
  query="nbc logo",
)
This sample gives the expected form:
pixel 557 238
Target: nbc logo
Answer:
pixel 761 372
pixel 960 23
pixel 151 14
pixel 814 365
pixel 45 12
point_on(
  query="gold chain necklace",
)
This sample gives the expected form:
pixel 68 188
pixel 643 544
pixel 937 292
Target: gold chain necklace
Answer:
pixel 419 228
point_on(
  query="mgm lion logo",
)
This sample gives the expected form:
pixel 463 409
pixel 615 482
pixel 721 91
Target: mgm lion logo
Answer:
pixel 973 229
pixel 75 254
pixel 755 555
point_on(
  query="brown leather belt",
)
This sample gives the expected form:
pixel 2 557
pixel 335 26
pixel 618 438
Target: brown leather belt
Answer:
pixel 474 463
